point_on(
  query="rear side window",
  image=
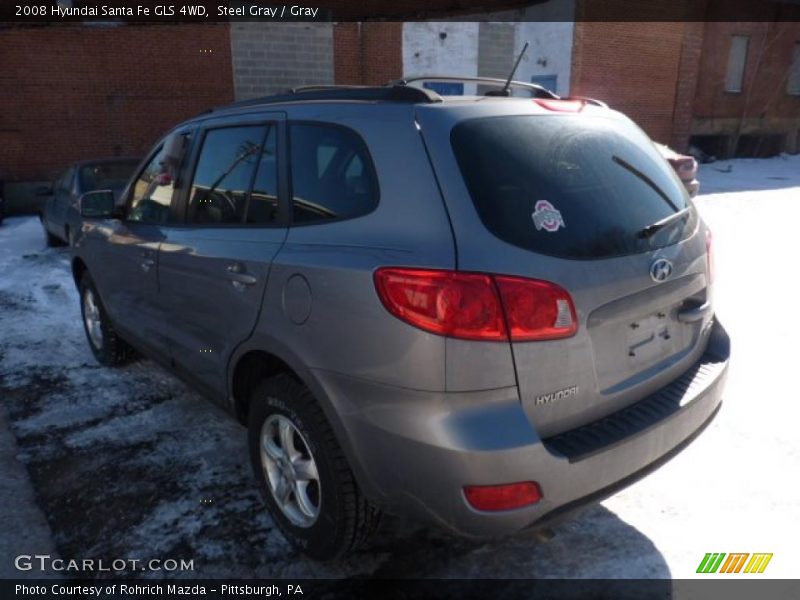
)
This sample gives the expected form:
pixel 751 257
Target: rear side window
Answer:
pixel 224 172
pixel 571 187
pixel 332 174
pixel 106 176
pixel 61 188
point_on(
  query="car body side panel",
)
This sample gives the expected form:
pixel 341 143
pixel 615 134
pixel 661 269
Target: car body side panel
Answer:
pixel 122 260
pixel 331 265
pixel 208 313
pixel 200 272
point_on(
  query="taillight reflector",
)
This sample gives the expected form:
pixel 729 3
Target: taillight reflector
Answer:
pixel 503 497
pixel 477 306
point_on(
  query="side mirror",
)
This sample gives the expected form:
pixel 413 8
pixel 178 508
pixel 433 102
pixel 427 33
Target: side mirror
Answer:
pixel 98 204
pixel 44 190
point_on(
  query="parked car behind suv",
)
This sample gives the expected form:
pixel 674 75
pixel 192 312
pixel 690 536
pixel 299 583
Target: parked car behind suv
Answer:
pixel 481 311
pixel 60 217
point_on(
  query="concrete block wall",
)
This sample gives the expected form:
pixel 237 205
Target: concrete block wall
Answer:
pixel 268 58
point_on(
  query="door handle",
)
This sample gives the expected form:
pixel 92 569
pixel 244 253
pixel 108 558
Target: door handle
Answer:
pixel 147 263
pixel 694 313
pixel 237 277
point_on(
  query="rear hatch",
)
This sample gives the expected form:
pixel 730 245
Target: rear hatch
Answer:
pixel 568 198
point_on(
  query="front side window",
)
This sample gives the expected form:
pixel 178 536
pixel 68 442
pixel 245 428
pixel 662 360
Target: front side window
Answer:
pixel 332 174
pixel 152 192
pixel 224 172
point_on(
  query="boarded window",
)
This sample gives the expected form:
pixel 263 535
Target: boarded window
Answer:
pixel 737 58
pixel 793 84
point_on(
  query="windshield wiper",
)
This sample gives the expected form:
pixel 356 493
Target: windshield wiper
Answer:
pixel 652 229
pixel 650 183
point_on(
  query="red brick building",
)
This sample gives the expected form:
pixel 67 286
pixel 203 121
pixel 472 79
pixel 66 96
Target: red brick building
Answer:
pixel 79 91
pixel 75 92
pixel 673 77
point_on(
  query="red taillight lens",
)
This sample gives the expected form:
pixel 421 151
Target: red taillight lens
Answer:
pixel 477 306
pixel 710 255
pixel 536 310
pixel 461 305
pixel 503 497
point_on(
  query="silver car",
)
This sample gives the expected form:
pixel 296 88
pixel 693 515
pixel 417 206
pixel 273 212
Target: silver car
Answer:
pixel 484 312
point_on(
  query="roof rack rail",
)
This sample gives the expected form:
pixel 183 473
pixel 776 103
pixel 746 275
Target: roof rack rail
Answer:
pixel 594 101
pixel 389 93
pixel 537 91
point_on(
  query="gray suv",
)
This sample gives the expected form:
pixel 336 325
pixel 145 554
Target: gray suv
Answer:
pixel 481 311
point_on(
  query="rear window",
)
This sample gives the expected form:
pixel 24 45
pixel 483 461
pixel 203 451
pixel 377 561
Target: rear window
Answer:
pixel 106 176
pixel 568 186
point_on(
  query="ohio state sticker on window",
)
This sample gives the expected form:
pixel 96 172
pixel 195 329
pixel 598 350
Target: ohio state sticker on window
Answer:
pixel 545 216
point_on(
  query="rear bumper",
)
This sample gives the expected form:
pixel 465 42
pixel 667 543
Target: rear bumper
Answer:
pixel 414 451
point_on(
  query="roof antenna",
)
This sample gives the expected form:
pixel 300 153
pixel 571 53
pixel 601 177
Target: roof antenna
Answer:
pixel 507 87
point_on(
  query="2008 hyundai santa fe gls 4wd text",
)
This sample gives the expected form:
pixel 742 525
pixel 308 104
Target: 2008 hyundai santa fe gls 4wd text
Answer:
pixel 481 311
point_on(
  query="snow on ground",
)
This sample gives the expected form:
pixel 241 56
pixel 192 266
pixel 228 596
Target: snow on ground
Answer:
pixel 131 463
pixel 736 487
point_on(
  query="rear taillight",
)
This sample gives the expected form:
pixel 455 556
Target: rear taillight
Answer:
pixel 477 306
pixel 503 497
pixel 710 255
pixel 536 310
pixel 461 305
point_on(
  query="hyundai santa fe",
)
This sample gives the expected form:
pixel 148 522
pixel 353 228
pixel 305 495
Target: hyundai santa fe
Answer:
pixel 480 311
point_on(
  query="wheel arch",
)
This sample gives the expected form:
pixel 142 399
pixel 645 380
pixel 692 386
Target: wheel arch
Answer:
pixel 263 356
pixel 247 372
pixel 78 269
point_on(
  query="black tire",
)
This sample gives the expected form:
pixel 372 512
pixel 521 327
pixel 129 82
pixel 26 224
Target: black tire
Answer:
pixel 112 349
pixel 346 519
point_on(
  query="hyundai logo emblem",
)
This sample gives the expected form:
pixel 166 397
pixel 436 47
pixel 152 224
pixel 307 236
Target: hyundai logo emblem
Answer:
pixel 660 270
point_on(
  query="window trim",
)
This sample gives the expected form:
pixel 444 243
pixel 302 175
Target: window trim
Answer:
pixel 369 162
pixel 182 210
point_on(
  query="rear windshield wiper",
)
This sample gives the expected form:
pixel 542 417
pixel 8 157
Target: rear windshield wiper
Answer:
pixel 650 230
pixel 650 183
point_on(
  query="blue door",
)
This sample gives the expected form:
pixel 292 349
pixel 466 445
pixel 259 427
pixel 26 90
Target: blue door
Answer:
pixel 546 81
pixel 445 88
